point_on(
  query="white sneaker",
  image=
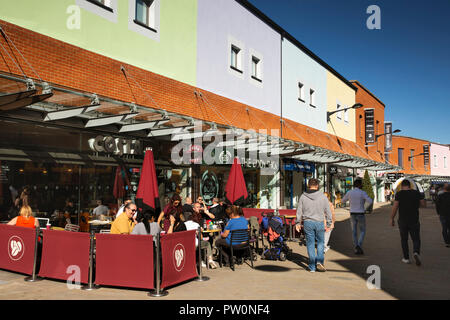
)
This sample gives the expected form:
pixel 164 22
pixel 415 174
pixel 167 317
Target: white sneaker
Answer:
pixel 203 264
pixel 406 261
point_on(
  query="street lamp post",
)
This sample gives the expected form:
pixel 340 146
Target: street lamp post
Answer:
pixel 355 106
pixel 383 134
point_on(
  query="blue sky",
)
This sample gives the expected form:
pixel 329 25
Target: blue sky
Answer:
pixel 406 63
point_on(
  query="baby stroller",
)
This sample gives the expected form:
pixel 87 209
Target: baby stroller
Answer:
pixel 272 227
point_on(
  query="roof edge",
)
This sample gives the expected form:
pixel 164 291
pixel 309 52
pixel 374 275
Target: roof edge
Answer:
pixel 258 13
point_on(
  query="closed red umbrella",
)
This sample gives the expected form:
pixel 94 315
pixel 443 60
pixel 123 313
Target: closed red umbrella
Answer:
pixel 119 190
pixel 236 190
pixel 147 195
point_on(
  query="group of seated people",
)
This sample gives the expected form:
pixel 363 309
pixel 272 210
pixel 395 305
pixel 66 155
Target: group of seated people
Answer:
pixel 176 217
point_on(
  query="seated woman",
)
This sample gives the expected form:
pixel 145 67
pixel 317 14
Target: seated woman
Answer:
pixel 147 225
pixel 176 222
pixel 236 222
pixel 174 205
pixel 25 218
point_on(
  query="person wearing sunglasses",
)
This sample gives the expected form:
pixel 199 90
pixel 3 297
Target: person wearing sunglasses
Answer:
pixel 125 223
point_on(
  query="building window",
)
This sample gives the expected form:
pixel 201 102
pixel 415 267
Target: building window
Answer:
pixel 435 161
pixel 145 13
pixel 235 58
pixel 360 126
pixel 338 114
pixel 346 116
pixel 386 156
pixel 256 68
pixel 412 158
pixel 105 4
pixel 312 98
pixel 400 157
pixel 445 162
pixel 301 92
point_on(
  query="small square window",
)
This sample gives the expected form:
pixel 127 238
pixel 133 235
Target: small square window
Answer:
pixel 301 92
pixel 346 116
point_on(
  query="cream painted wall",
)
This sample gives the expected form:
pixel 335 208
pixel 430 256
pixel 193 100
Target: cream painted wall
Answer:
pixel 340 93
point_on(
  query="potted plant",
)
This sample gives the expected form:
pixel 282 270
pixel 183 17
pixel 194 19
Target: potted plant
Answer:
pixel 367 187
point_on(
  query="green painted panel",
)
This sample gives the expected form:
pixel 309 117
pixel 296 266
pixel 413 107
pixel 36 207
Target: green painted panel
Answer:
pixel 173 56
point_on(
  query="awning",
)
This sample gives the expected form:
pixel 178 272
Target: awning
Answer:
pixel 89 110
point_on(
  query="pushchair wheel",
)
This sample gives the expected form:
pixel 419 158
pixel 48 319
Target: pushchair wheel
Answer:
pixel 282 256
pixel 254 256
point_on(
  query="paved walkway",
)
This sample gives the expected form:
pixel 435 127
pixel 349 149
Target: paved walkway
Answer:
pixel 290 280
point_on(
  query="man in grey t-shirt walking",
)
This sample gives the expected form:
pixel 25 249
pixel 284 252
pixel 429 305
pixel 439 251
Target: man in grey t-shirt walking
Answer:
pixel 313 206
pixel 358 199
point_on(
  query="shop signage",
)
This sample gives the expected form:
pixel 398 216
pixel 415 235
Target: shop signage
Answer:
pixel 388 138
pixel 392 177
pixel 332 169
pixel 426 154
pixel 226 157
pixel 370 125
pixel 209 186
pixel 117 146
pixel 197 153
pixel 297 165
pixel 348 181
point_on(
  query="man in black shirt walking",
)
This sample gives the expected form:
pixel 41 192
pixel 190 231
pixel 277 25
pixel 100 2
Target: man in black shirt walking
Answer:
pixel 407 202
pixel 443 210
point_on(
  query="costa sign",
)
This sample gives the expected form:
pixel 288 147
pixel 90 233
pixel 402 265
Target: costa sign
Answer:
pixel 16 248
pixel 118 146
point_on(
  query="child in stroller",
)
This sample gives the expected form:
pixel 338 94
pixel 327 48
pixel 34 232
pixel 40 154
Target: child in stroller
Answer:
pixel 272 227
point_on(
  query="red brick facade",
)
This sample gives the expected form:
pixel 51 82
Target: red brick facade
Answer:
pixel 408 144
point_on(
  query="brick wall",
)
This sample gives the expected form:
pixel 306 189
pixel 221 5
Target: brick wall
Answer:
pixel 408 144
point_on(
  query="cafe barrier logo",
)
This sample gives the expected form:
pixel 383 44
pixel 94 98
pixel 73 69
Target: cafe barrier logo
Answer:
pixel 16 248
pixel 179 257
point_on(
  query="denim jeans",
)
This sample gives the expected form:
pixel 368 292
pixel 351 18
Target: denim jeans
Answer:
pixel 445 221
pixel 358 221
pixel 414 231
pixel 314 231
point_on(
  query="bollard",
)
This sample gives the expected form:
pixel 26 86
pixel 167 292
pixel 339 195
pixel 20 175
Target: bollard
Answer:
pixel 90 285
pixel 200 277
pixel 34 277
pixel 158 292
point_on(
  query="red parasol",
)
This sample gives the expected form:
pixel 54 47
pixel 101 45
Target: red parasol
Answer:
pixel 147 195
pixel 236 191
pixel 119 188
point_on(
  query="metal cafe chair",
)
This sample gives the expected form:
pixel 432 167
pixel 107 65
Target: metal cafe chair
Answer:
pixel 72 227
pixel 242 236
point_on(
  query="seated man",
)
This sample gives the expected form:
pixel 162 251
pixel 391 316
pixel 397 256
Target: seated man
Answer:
pixel 125 223
pixel 100 210
pixel 217 210
pixel 236 222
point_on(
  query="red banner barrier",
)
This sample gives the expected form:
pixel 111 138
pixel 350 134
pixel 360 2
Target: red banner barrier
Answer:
pixel 17 246
pixel 124 260
pixel 178 257
pixel 255 212
pixel 64 254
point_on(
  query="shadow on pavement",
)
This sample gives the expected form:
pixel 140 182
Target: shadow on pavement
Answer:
pixel 382 248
